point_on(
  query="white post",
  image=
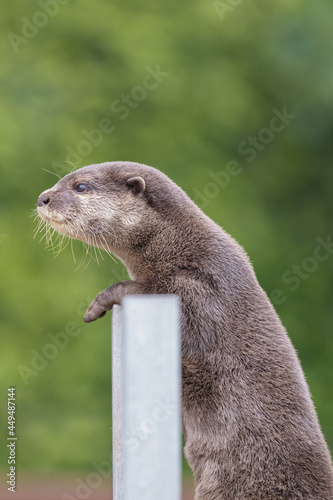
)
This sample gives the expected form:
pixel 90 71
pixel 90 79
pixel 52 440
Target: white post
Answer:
pixel 117 402
pixel 146 384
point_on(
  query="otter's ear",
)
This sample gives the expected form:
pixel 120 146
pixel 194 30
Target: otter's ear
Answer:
pixel 136 184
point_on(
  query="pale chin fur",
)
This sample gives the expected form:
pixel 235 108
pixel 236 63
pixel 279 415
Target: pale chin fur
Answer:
pixel 58 222
pixel 49 216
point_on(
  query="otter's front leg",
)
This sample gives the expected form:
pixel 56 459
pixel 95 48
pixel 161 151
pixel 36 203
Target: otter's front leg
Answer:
pixel 110 296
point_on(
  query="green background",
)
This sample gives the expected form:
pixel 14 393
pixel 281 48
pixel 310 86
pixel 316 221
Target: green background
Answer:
pixel 226 70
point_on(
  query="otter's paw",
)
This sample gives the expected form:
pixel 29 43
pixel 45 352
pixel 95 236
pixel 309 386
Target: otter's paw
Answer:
pixel 94 311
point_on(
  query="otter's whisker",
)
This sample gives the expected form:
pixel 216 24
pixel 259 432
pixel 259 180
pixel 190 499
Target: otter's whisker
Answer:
pixel 50 237
pixel 58 246
pixel 51 243
pixel 62 245
pixel 66 244
pixel 97 245
pixel 73 254
pixel 54 243
pixel 33 213
pixel 92 250
pixel 40 226
pixel 49 171
pixel 88 262
pixel 108 251
pixel 85 252
pixel 71 163
pixel 101 247
pixel 94 247
pixel 45 234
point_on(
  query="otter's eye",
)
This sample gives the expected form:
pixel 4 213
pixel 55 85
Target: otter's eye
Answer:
pixel 80 188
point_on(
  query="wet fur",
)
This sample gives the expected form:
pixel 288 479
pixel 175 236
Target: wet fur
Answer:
pixel 250 427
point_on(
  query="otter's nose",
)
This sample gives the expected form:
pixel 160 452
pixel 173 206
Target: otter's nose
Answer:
pixel 43 200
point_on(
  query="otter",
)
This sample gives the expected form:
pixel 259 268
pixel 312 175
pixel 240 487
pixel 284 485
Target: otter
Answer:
pixel 250 427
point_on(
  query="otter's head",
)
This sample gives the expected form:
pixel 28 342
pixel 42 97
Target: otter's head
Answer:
pixel 104 205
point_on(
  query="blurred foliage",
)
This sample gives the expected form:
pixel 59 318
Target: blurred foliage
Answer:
pixel 228 69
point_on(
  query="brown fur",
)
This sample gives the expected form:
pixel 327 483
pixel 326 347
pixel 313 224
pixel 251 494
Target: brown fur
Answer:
pixel 250 426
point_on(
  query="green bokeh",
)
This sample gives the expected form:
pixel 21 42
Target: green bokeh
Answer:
pixel 227 70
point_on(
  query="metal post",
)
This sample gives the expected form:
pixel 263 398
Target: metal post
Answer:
pixel 146 384
pixel 117 402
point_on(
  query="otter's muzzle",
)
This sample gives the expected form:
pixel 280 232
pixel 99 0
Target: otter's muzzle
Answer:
pixel 44 199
